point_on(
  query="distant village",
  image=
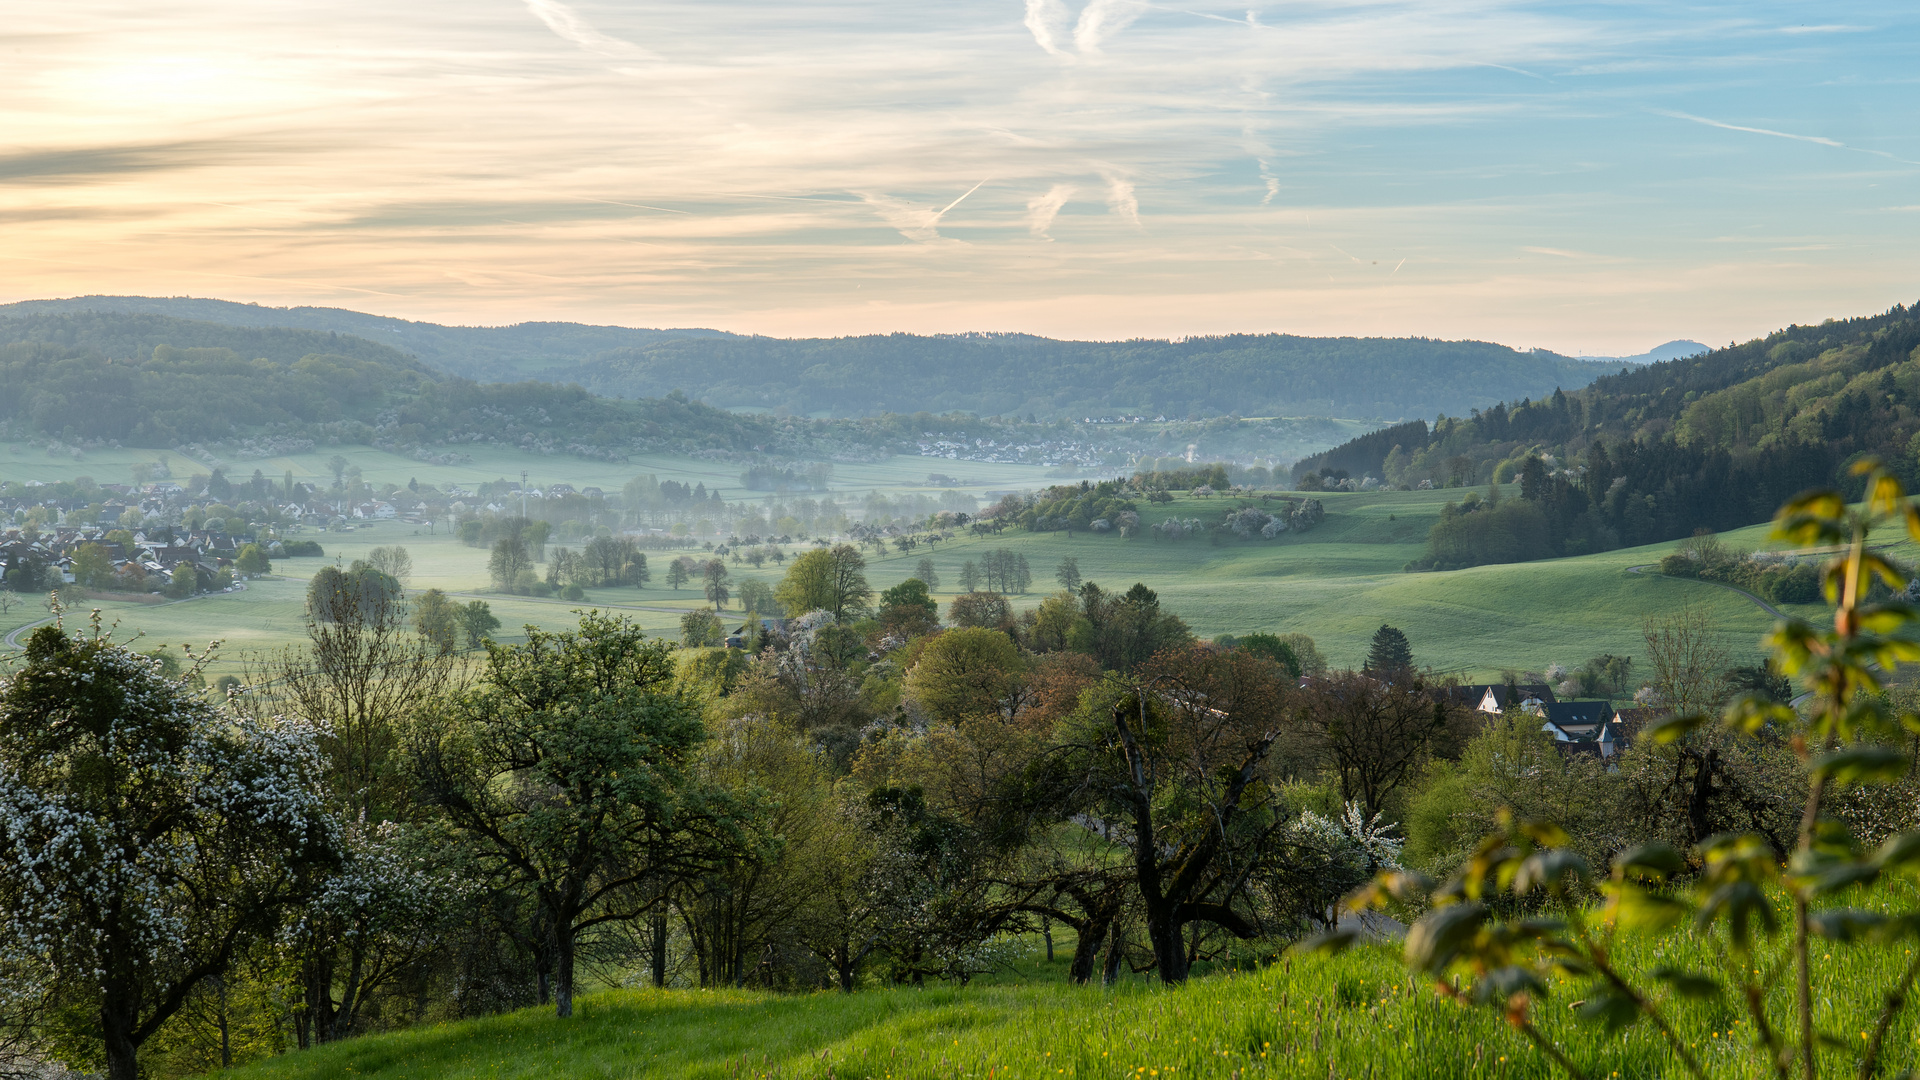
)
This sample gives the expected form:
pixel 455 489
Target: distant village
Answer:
pixel 162 535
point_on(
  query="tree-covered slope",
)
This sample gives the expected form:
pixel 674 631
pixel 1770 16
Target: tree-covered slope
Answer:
pixel 155 381
pixel 504 353
pixel 986 374
pixel 1248 375
pixel 1714 441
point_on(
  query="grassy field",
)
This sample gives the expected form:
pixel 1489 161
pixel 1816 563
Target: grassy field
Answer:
pixel 1359 1015
pixel 1337 583
pixel 1341 581
pixel 894 475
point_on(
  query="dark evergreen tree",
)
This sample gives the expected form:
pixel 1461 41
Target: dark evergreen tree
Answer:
pixel 1389 653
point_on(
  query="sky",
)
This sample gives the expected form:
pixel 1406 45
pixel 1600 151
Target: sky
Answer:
pixel 1591 178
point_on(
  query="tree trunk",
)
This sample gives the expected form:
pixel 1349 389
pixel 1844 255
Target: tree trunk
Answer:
pixel 1115 947
pixel 843 965
pixel 1699 798
pixel 319 988
pixel 1046 932
pixel 1163 930
pixel 226 1036
pixel 116 1029
pixel 563 976
pixel 659 952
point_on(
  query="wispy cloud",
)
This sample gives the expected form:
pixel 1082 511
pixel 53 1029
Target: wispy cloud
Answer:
pixel 920 223
pixel 567 24
pixel 1100 20
pixel 1818 140
pixel 688 163
pixel 1042 209
pixel 1045 19
pixel 1121 199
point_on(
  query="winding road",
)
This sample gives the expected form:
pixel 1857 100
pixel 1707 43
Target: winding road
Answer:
pixel 1764 606
pixel 13 637
pixel 12 640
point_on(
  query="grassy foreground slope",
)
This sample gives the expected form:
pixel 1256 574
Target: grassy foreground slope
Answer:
pixel 1356 1015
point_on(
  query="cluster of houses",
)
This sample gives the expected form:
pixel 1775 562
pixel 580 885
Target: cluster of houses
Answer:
pixel 1591 728
pixel 145 563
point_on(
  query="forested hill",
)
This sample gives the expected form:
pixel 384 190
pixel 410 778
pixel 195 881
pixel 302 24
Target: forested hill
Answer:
pixel 126 336
pixel 1713 441
pixel 487 353
pixel 986 374
pixel 1251 375
pixel 90 378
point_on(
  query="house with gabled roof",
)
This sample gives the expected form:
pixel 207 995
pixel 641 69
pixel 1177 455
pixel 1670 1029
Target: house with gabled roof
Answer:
pixel 1581 727
pixel 1497 698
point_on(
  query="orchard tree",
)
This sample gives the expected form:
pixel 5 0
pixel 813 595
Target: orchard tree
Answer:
pixel 826 579
pixel 437 619
pixel 969 672
pixel 701 628
pixel 909 609
pixel 1173 765
pixel 1068 574
pixel 147 835
pixel 361 680
pixel 1376 736
pixel 570 768
pixel 508 560
pixel 477 620
pixel 717 591
pixel 393 562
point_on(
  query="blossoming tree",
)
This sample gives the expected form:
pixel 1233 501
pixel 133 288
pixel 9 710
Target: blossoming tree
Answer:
pixel 146 835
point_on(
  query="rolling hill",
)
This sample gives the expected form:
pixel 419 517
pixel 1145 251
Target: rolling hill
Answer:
pixel 1713 441
pixel 985 374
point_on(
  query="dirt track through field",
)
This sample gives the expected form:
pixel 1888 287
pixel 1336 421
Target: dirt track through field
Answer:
pixel 1764 606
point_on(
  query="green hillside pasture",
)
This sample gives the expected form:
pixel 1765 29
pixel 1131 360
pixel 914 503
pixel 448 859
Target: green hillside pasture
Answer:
pixel 1355 1015
pixel 270 613
pixel 1337 583
pixel 895 474
pixel 1341 581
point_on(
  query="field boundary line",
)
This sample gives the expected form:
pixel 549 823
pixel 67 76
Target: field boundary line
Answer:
pixel 1643 568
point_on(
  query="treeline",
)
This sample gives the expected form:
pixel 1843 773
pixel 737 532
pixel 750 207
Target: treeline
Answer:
pixel 1711 442
pixel 1015 374
pixel 147 380
pixel 986 374
pixel 90 379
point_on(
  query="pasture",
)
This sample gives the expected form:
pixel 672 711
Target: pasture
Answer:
pixel 894 475
pixel 1337 583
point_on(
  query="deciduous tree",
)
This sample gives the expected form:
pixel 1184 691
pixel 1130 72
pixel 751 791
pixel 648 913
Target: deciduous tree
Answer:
pixel 146 834
pixel 570 767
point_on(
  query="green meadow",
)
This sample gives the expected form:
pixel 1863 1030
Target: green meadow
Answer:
pixel 893 475
pixel 1337 583
pixel 1357 1015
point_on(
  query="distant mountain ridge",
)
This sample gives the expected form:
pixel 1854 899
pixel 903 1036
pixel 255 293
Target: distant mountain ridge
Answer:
pixel 483 353
pixel 986 374
pixel 1673 350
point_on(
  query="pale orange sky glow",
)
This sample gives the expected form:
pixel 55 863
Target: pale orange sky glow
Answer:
pixel 1588 181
